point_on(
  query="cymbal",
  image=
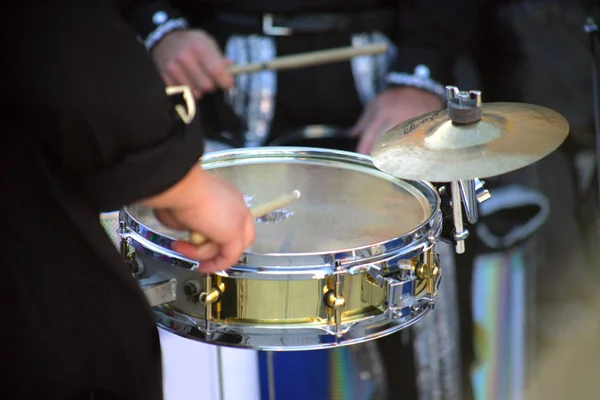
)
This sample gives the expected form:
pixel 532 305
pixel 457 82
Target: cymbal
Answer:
pixel 508 137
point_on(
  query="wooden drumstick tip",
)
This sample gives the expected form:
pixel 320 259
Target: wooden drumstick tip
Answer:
pixel 263 209
pixel 196 238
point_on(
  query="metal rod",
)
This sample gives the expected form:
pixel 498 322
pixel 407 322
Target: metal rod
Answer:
pixel 271 375
pixel 220 373
pixel 457 214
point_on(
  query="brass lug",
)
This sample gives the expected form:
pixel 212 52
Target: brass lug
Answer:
pixel 208 298
pixel 334 299
pixel 428 272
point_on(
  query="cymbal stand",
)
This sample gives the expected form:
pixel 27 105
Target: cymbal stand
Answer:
pixel 465 108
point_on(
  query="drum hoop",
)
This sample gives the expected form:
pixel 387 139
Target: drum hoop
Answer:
pixel 419 238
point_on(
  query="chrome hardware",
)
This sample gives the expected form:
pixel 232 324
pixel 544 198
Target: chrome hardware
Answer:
pixel 334 299
pixel 460 233
pixel 464 98
pixel 481 192
pixel 469 198
pixel 464 107
pixel 395 293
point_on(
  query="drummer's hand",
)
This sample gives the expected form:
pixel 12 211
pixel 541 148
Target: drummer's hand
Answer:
pixel 389 109
pixel 204 203
pixel 192 58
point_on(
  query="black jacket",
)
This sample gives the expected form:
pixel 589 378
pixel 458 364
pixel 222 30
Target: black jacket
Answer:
pixel 86 127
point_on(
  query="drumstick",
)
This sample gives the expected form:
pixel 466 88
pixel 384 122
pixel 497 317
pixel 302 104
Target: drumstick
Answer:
pixel 310 58
pixel 257 211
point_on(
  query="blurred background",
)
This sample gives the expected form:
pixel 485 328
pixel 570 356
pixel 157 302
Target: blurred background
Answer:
pixel 528 288
pixel 535 306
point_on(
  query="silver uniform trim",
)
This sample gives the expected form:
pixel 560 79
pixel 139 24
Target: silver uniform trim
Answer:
pixel 253 97
pixel 235 49
pixel 369 71
pixel 436 339
pixel 419 79
pixel 163 29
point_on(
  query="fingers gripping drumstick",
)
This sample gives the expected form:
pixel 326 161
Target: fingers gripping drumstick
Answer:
pixel 257 211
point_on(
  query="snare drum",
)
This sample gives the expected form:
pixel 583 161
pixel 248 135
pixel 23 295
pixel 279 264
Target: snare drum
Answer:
pixel 351 260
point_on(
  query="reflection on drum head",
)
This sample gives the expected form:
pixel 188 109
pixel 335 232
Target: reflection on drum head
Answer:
pixel 343 206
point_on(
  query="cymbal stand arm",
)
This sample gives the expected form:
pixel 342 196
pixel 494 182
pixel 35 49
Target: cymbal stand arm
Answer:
pixel 460 233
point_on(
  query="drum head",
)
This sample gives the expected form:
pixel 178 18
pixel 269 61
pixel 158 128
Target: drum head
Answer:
pixel 345 204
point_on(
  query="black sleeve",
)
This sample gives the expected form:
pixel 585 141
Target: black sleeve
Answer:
pixel 435 33
pixel 84 88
